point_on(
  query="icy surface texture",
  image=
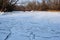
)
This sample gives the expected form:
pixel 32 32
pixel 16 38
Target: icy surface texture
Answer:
pixel 30 26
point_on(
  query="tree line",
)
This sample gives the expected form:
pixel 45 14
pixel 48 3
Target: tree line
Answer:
pixel 45 5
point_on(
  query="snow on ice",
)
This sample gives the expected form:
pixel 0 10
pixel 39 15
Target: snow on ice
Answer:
pixel 30 26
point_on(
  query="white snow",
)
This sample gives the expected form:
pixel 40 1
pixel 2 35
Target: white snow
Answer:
pixel 30 25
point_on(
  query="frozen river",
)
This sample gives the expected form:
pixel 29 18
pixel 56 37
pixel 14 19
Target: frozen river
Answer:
pixel 30 26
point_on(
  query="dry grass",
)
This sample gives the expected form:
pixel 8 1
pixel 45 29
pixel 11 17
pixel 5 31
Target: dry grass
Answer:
pixel 54 10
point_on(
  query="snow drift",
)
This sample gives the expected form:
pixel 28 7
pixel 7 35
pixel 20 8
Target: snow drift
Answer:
pixel 30 26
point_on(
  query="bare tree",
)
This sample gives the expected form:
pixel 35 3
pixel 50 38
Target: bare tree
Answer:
pixel 8 5
pixel 44 5
pixel 1 4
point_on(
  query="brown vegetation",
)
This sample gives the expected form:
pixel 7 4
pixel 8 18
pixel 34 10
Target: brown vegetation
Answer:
pixel 44 6
pixel 7 5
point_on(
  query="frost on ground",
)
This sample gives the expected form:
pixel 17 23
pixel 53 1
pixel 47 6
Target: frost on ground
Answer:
pixel 30 26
